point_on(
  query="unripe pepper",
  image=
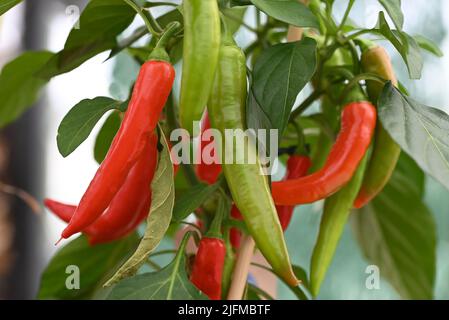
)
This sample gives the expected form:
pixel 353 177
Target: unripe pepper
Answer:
pixel 249 187
pixel 335 215
pixel 297 166
pixel 386 151
pixel 149 96
pixel 358 122
pixel 207 172
pixel 129 207
pixel 200 57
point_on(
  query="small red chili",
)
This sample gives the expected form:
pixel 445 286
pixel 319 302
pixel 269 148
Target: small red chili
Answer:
pixel 207 271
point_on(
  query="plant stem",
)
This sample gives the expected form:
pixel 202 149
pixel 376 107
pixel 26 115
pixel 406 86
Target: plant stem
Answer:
pixel 346 15
pixel 358 33
pixel 355 81
pixel 153 265
pixel 29 200
pixel 162 252
pixel 158 4
pixel 170 31
pixel 305 104
pixel 144 17
pixel 191 225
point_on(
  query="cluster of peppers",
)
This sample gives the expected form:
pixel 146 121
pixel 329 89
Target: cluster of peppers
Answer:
pixel 119 197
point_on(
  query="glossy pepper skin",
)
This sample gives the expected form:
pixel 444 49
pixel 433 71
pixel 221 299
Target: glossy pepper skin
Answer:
pixel 200 56
pixel 297 167
pixel 386 152
pixel 207 271
pixel 149 96
pixel 207 172
pixel 130 205
pixel 335 215
pixel 235 235
pixel 358 122
pixel 249 187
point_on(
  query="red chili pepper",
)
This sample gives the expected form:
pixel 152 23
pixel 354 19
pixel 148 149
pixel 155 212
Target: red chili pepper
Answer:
pixel 207 271
pixel 149 96
pixel 128 208
pixel 357 126
pixel 297 167
pixel 175 165
pixel 208 173
pixel 234 234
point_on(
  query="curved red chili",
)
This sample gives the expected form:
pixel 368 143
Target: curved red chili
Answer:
pixel 208 173
pixel 128 208
pixel 149 96
pixel 357 126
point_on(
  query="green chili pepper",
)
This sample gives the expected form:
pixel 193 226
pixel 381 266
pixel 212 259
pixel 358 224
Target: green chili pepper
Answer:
pixel 335 214
pixel 200 56
pixel 249 187
pixel 385 151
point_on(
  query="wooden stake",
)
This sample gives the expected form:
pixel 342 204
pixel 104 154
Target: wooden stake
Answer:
pixel 295 33
pixel 240 275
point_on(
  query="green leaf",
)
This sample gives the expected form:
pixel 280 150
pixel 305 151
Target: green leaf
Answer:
pixel 99 25
pixel 158 220
pixel 106 135
pixel 81 119
pixel 170 283
pixel 19 87
pixel 192 199
pixel 5 5
pixel 397 233
pixel 421 131
pixel 280 73
pixel 256 118
pixel 94 263
pixel 233 18
pixel 255 293
pixel 393 8
pixel 290 11
pixel 406 46
pixel 428 45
